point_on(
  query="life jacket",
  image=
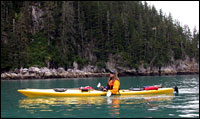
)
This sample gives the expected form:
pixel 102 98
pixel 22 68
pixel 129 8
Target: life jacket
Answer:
pixel 115 87
pixel 110 84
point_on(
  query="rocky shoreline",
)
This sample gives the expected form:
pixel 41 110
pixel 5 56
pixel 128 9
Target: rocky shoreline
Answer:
pixel 45 73
pixel 179 67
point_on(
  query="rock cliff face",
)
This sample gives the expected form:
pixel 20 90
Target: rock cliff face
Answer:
pixel 38 22
pixel 187 66
pixel 44 72
pixel 178 67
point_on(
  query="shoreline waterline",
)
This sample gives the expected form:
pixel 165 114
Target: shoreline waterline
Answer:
pixel 14 76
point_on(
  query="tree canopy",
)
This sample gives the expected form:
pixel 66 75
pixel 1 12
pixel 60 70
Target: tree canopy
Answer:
pixel 57 33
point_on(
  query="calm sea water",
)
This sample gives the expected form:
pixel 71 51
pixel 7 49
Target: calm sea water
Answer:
pixel 184 104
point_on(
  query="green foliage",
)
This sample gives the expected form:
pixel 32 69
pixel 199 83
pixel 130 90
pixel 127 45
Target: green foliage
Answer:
pixel 4 58
pixel 135 66
pixel 39 53
pixel 70 30
pixel 145 65
pixel 101 64
pixel 81 61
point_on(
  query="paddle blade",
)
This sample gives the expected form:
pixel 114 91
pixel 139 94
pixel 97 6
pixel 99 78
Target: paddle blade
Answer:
pixel 99 84
pixel 108 94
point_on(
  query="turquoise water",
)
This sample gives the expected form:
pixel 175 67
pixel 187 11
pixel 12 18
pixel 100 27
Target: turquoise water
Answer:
pixel 184 104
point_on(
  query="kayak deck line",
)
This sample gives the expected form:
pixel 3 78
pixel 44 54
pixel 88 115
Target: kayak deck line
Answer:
pixel 77 92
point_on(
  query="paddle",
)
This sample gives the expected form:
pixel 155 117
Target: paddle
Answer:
pixel 99 85
pixel 108 94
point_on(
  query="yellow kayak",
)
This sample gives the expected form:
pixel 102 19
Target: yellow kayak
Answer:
pixel 93 92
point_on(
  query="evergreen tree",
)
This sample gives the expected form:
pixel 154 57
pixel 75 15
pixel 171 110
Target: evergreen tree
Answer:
pixel 89 32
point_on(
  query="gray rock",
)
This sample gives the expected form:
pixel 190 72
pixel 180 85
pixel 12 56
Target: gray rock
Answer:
pixel 54 71
pixel 13 75
pixel 47 74
pixel 24 71
pixel 33 70
pixel 17 71
pixel 20 70
pixel 60 70
pixel 110 66
pixel 70 70
pixel 168 70
pixel 141 69
pixel 44 70
pixel 37 18
pixel 75 65
pixel 89 68
pixel 3 76
pixel 182 67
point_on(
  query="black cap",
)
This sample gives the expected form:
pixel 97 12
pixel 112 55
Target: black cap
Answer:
pixel 112 72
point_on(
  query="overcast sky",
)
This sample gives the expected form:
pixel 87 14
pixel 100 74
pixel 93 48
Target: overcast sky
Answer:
pixel 186 12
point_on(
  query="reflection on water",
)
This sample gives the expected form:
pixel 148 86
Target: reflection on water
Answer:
pixel 114 106
pixel 57 101
pixel 116 101
pixel 69 104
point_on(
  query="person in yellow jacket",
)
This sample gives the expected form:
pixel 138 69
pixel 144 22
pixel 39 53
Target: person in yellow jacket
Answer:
pixel 113 82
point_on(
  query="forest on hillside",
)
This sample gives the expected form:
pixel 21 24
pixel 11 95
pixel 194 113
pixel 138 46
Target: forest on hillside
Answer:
pixel 56 33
